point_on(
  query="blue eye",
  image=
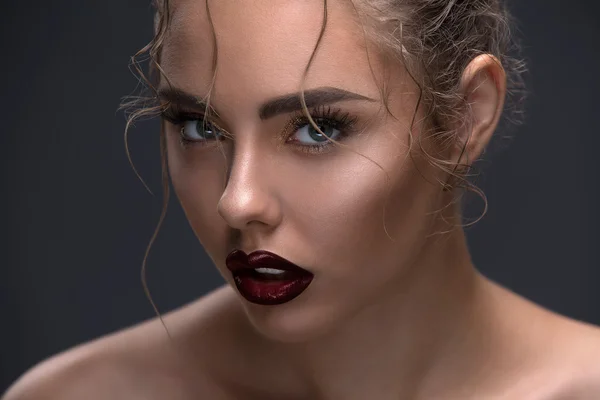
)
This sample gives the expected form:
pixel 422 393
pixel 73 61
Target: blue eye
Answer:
pixel 307 134
pixel 198 130
pixel 335 125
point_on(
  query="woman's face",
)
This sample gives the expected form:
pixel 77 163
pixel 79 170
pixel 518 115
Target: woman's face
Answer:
pixel 354 215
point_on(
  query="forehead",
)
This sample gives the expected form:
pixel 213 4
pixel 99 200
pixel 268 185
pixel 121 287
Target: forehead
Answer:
pixel 264 46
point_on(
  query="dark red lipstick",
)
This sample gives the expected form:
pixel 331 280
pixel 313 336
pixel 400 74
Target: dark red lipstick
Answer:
pixel 265 278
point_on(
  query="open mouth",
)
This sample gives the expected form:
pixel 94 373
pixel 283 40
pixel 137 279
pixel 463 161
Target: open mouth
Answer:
pixel 265 278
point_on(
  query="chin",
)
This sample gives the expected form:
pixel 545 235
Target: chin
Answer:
pixel 291 322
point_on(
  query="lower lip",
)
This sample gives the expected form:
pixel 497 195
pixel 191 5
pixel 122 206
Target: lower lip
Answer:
pixel 270 292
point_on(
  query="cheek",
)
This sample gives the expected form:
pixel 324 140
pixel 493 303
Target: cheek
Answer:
pixel 360 219
pixel 342 214
pixel 339 210
pixel 198 178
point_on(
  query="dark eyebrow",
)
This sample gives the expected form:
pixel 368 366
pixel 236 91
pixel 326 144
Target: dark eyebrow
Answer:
pixel 182 98
pixel 279 105
pixel 313 97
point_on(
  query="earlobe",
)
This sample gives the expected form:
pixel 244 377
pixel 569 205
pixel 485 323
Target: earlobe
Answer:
pixel 483 86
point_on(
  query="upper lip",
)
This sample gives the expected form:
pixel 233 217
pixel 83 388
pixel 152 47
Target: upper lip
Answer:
pixel 238 261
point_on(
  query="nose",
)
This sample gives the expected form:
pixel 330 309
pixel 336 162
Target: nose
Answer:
pixel 249 198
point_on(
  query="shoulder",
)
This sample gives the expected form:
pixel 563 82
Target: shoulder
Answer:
pixel 577 362
pixel 557 357
pixel 140 362
pixel 584 385
pixel 77 373
pixel 92 371
pixel 584 374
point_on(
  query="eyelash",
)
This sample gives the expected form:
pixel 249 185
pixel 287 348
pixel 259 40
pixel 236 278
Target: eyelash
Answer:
pixel 322 115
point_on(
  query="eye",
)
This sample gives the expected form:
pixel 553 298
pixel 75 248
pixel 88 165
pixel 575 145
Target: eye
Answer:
pixel 199 130
pixel 308 135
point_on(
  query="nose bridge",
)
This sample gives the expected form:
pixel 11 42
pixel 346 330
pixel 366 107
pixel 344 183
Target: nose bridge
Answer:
pixel 248 195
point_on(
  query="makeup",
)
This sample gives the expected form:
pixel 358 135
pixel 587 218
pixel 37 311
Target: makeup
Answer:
pixel 265 278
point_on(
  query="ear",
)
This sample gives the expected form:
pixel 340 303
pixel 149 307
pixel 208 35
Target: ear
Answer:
pixel 483 87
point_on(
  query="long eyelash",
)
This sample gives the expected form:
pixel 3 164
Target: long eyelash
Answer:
pixel 322 115
pixel 178 117
pixel 326 115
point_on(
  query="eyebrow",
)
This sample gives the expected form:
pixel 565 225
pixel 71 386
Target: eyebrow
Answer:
pixel 278 105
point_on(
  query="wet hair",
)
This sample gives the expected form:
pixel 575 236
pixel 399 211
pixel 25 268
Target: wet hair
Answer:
pixel 434 40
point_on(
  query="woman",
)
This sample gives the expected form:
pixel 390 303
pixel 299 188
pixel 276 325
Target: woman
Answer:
pixel 319 150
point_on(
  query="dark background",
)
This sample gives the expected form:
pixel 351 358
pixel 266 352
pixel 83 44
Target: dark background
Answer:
pixel 76 220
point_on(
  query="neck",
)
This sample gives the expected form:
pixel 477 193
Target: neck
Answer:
pixel 391 348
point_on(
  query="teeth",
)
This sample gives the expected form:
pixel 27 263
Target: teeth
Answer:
pixel 269 271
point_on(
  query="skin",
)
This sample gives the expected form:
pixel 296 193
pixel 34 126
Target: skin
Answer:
pixel 396 310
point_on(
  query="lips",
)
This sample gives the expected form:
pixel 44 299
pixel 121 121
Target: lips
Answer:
pixel 265 278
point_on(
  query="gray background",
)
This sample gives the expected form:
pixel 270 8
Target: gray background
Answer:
pixel 76 220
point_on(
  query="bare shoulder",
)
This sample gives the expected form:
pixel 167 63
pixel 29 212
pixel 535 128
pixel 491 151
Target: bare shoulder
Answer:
pixel 573 349
pixel 82 372
pixel 553 357
pixel 140 362
pixel 581 360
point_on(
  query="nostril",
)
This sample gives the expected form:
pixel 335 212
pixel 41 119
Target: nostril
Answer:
pixel 249 195
pixel 241 206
